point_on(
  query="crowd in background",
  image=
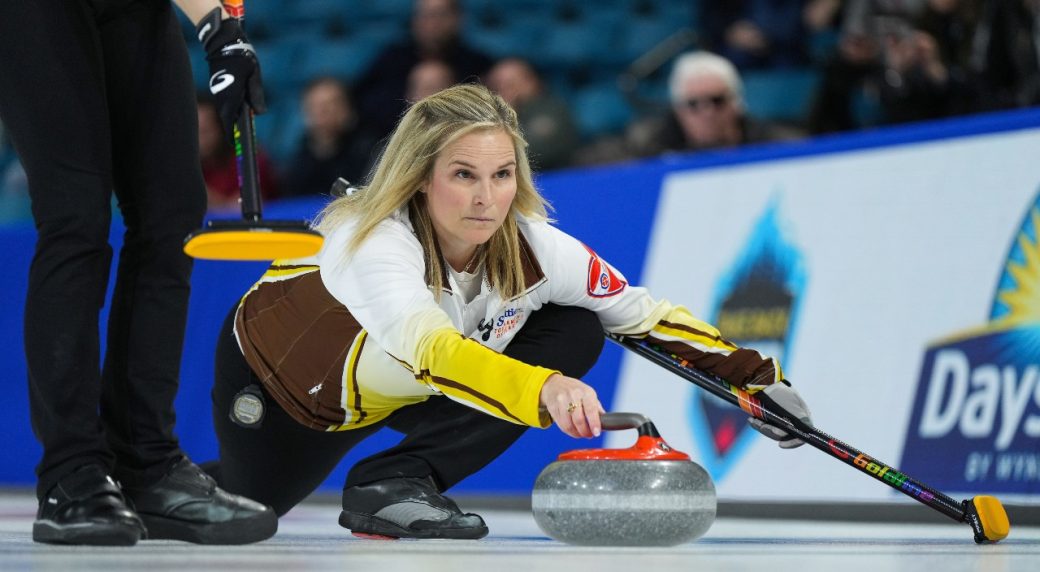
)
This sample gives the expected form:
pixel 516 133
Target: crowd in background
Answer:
pixel 868 63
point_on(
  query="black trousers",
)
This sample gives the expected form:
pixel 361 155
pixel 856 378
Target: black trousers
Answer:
pixel 97 96
pixel 282 461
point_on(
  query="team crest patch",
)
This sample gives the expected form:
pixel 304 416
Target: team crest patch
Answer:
pixel 603 281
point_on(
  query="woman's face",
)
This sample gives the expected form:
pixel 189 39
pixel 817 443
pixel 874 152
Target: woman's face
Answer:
pixel 470 192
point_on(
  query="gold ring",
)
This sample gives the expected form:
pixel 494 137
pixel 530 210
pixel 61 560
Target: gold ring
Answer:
pixel 571 407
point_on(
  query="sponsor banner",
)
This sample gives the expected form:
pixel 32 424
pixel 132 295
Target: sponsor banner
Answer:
pixel 976 417
pixel 848 267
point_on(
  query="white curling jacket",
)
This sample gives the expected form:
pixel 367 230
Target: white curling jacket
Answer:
pixel 343 341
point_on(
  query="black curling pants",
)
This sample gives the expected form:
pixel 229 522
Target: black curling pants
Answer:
pixel 97 96
pixel 282 461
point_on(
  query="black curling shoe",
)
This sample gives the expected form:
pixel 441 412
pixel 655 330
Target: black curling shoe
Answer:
pixel 187 505
pixel 86 507
pixel 406 508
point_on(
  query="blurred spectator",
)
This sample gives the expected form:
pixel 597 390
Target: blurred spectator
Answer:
pixel 925 65
pixel 897 61
pixel 707 112
pixel 219 167
pixel 820 14
pixel 849 93
pixel 756 33
pixel 427 78
pixel 822 19
pixel 333 143
pixel 952 24
pixel 544 119
pixel 435 34
pixel 1006 52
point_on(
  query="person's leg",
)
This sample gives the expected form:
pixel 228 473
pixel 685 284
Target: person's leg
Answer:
pixel 55 114
pixel 158 182
pixel 446 441
pixel 278 461
pixel 52 103
pixel 157 179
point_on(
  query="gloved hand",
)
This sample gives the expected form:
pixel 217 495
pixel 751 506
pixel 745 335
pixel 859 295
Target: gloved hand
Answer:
pixel 788 399
pixel 233 67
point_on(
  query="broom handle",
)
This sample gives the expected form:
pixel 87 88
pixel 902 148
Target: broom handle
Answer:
pixel 245 142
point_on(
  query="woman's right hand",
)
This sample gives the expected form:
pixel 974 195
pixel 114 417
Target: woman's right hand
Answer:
pixel 573 405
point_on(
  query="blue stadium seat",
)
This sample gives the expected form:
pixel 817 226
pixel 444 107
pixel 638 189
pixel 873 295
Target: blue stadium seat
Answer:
pixel 572 45
pixel 780 95
pixel 265 12
pixel 280 65
pixel 278 131
pixel 400 10
pixel 310 11
pixel 266 126
pixel 600 110
pixel 199 66
pixel 346 59
pixel 380 33
pixel 642 34
pixel 517 39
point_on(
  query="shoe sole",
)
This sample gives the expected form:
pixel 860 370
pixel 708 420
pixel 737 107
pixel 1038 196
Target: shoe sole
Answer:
pixel 86 533
pixel 238 531
pixel 362 524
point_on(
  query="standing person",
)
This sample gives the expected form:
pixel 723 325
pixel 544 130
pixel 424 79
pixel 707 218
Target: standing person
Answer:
pixel 333 143
pixel 436 29
pixel 97 96
pixel 1005 59
pixel 756 33
pixel 545 119
pixel 443 305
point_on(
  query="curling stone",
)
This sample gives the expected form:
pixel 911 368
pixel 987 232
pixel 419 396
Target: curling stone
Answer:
pixel 646 495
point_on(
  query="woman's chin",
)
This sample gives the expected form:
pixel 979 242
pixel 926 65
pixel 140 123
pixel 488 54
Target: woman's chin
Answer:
pixel 477 238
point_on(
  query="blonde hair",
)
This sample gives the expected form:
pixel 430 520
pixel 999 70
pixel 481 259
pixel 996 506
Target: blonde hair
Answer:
pixel 406 165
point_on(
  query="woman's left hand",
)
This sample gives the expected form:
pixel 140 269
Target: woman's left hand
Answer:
pixel 573 405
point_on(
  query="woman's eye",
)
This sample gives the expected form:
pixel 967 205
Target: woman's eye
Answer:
pixel 463 174
pixel 504 174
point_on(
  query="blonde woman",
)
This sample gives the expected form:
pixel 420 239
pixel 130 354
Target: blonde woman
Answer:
pixel 445 306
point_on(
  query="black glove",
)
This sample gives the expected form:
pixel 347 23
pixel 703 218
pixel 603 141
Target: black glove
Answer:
pixel 234 70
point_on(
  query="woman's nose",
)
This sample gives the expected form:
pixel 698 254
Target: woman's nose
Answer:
pixel 482 193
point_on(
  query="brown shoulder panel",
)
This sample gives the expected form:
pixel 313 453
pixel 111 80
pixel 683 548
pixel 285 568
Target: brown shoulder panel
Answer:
pixel 295 335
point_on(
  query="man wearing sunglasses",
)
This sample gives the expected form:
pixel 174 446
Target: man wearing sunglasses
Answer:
pixel 707 112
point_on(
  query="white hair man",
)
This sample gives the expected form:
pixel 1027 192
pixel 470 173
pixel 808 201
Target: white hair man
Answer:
pixel 707 98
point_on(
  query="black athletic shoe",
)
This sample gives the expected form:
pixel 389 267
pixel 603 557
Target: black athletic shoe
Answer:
pixel 187 505
pixel 406 508
pixel 86 507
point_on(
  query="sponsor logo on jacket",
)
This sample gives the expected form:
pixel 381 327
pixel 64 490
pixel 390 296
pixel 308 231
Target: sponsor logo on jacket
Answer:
pixel 501 324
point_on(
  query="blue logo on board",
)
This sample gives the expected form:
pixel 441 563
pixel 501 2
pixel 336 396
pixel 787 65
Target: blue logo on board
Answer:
pixel 755 306
pixel 976 418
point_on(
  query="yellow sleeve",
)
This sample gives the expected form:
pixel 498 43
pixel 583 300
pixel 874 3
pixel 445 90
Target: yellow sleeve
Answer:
pixel 482 378
pixel 702 345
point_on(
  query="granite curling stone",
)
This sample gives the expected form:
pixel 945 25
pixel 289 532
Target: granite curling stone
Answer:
pixel 647 495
